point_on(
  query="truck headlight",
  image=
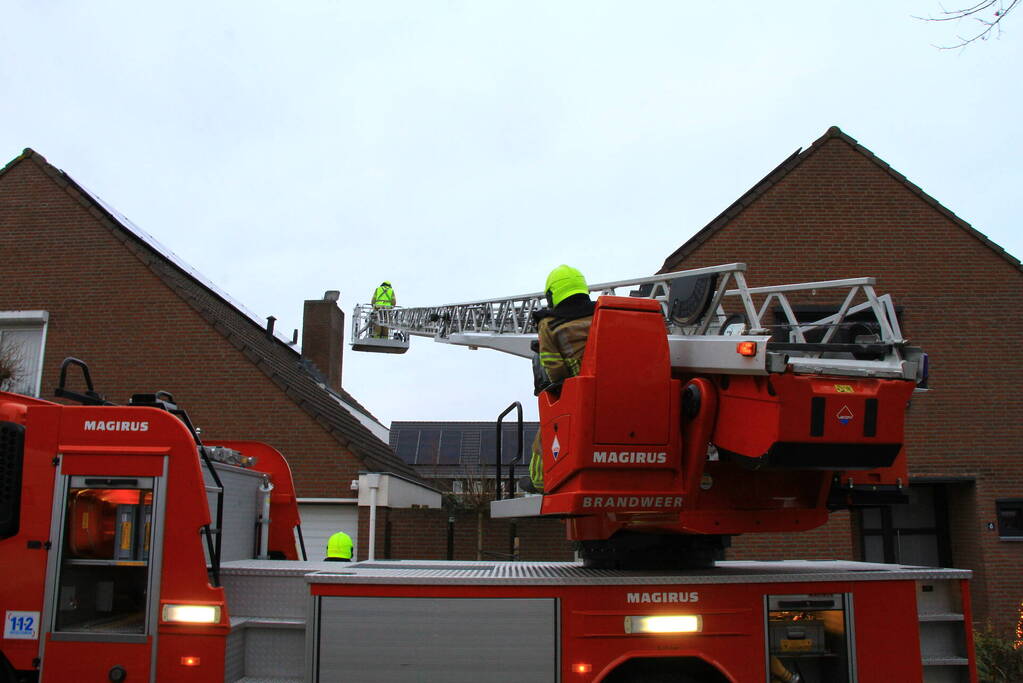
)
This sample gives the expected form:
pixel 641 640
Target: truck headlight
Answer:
pixel 664 623
pixel 192 614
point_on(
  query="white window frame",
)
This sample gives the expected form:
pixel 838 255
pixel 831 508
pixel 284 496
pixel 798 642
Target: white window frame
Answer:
pixel 30 320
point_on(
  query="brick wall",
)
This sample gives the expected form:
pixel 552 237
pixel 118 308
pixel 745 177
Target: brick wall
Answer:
pixel 840 214
pixel 423 535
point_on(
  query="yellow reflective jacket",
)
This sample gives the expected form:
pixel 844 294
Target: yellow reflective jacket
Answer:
pixel 384 297
pixel 562 343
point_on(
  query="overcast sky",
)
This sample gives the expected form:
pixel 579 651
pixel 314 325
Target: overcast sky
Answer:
pixel 462 149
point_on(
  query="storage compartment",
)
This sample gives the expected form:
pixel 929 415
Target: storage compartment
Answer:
pixel 443 637
pixel 808 636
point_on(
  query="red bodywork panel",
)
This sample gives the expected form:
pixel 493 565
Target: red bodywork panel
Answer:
pixel 619 453
pixel 733 636
pixel 122 441
pixel 611 440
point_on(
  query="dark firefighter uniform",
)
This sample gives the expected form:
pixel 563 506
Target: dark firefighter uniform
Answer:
pixel 383 297
pixel 563 330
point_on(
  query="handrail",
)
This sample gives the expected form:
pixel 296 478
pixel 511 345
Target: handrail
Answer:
pixel 499 472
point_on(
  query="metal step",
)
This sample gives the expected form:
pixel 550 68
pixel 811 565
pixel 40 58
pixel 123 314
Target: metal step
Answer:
pixel 268 601
pixel 942 632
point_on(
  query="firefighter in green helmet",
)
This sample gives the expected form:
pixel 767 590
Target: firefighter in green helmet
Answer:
pixel 339 548
pixel 563 329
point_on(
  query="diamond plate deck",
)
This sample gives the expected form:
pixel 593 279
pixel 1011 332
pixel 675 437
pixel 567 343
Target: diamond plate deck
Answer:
pixel 562 573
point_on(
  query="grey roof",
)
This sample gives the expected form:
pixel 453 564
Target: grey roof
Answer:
pixel 783 169
pixel 273 355
pixel 471 437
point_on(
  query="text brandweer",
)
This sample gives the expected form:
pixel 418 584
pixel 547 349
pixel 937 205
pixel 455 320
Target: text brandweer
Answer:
pixel 632 501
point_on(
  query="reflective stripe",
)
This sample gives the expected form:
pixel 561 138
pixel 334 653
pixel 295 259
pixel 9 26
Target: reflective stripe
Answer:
pixel 383 297
pixel 536 464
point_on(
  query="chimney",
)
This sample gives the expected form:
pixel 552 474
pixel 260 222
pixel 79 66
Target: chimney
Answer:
pixel 323 327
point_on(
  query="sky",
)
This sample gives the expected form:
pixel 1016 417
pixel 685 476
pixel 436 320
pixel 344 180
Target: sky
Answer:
pixel 463 149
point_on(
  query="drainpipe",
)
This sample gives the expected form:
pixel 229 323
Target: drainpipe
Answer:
pixel 264 537
pixel 373 481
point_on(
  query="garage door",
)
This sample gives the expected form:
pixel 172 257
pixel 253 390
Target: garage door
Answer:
pixel 320 520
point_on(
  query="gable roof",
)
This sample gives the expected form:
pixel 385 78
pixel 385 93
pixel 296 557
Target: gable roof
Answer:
pixel 337 412
pixel 786 167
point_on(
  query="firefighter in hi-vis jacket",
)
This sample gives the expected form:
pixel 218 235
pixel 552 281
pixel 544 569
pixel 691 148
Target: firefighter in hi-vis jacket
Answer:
pixel 383 297
pixel 563 330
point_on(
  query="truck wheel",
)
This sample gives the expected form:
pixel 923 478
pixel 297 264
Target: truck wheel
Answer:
pixel 7 672
pixel 666 670
pixel 655 678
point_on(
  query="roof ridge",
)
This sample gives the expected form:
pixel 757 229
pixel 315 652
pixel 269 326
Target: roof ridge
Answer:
pixel 793 161
pixel 25 154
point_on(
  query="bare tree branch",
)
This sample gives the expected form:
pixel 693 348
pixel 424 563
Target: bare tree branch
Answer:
pixel 477 492
pixel 987 14
pixel 12 365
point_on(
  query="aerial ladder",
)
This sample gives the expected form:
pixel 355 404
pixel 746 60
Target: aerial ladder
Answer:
pixel 704 408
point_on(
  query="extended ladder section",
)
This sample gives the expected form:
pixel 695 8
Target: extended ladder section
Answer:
pixel 715 323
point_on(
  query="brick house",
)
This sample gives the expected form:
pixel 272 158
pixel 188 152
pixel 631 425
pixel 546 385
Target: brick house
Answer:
pixel 81 280
pixel 835 211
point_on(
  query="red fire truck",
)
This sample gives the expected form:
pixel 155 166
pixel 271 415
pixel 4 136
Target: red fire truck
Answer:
pixel 110 556
pixel 133 551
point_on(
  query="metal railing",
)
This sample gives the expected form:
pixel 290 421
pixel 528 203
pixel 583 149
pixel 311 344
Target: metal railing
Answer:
pixel 706 303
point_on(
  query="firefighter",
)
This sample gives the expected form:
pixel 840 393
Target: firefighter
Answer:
pixel 563 330
pixel 339 548
pixel 383 297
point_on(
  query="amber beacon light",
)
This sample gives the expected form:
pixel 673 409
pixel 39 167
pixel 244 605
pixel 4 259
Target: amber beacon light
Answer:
pixel 746 348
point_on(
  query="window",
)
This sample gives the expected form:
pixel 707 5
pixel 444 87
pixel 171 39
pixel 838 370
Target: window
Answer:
pixel 104 568
pixel 810 634
pixel 916 533
pixel 22 339
pixel 1010 518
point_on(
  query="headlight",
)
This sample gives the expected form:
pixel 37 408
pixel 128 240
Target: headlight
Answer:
pixel 664 623
pixel 192 614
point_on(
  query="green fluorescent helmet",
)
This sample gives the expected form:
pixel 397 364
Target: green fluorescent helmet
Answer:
pixel 563 282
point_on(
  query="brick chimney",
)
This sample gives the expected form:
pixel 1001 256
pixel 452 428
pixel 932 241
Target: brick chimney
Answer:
pixel 323 325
